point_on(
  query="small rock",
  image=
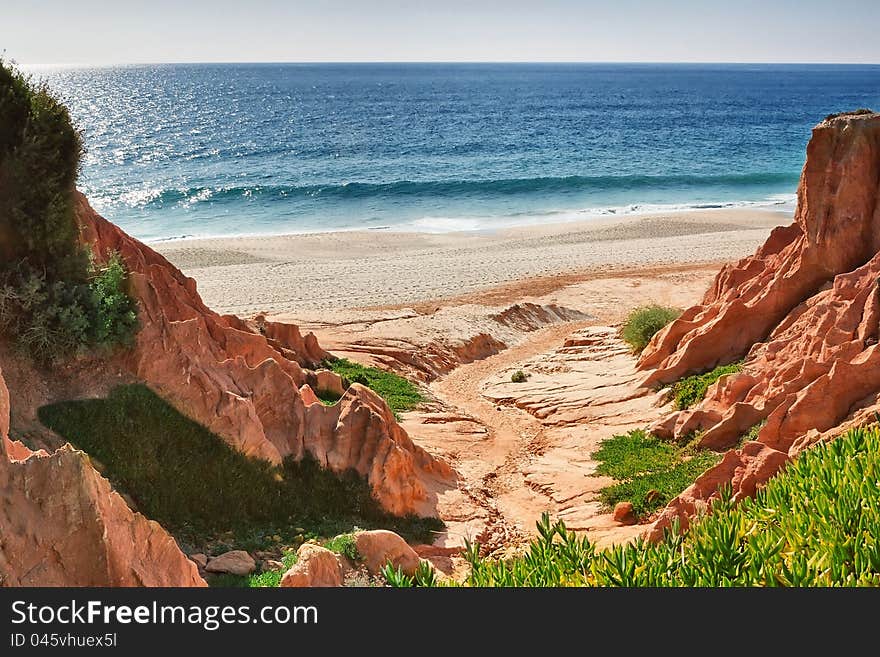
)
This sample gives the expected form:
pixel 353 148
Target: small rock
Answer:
pixel 201 560
pixel 272 564
pixel 235 562
pixel 263 555
pixel 624 514
pixel 315 566
pixel 379 546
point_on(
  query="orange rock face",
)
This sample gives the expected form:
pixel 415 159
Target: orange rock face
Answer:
pixel 379 547
pixel 61 524
pixel 242 380
pixel 744 469
pixel 804 312
pixel 315 566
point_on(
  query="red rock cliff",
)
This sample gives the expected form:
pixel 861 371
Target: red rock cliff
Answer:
pixel 244 383
pixel 803 312
pixel 62 525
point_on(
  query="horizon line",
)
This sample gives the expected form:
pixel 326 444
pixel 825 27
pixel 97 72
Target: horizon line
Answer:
pixel 439 62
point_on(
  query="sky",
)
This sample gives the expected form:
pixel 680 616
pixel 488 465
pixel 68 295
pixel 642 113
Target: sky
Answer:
pixel 72 32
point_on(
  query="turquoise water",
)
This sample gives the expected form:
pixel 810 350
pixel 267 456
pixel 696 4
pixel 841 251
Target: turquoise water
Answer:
pixel 206 150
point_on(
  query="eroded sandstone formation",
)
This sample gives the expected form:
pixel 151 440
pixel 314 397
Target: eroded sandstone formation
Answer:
pixel 242 380
pixel 803 312
pixel 61 524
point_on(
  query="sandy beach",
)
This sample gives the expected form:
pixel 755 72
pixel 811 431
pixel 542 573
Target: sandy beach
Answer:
pixel 300 275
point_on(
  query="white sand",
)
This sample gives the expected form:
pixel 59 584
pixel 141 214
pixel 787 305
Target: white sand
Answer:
pixel 331 271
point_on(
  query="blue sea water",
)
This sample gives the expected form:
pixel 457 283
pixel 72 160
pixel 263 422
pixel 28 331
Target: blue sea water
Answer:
pixel 230 149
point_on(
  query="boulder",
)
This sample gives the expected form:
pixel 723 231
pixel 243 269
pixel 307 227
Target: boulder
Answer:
pixel 315 566
pixel 234 562
pixel 379 546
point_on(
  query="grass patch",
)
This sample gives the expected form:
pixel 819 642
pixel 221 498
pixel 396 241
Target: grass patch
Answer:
pixel 345 545
pixel 650 472
pixel 642 323
pixel 189 480
pixel 401 394
pixel 692 389
pixel 633 453
pixel 327 397
pixel 519 377
pixel 815 524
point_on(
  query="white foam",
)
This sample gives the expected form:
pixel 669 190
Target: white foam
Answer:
pixel 433 224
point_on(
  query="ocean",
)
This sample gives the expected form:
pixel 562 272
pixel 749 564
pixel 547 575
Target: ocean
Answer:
pixel 178 151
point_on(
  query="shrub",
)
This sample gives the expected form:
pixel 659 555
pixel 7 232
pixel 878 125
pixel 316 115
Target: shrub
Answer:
pixel 642 323
pixel 518 377
pixel 53 302
pixel 40 152
pixel 53 319
pixel 197 486
pixel 425 576
pixel 402 395
pixel 115 313
pixel 815 524
pixel 692 389
pixel 345 545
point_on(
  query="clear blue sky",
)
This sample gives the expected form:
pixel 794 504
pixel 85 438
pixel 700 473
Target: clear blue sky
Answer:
pixel 123 31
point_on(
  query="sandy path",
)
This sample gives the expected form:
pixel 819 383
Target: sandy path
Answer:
pixel 523 449
pixel 513 436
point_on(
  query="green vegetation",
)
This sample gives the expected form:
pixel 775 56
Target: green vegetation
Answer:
pixel 816 524
pixel 52 320
pixel 270 578
pixel 644 322
pixel 752 433
pixel 345 545
pixel 327 397
pixel 194 484
pixel 402 395
pixel 649 472
pixel 518 377
pixel 53 300
pixel 692 389
pixel 424 576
